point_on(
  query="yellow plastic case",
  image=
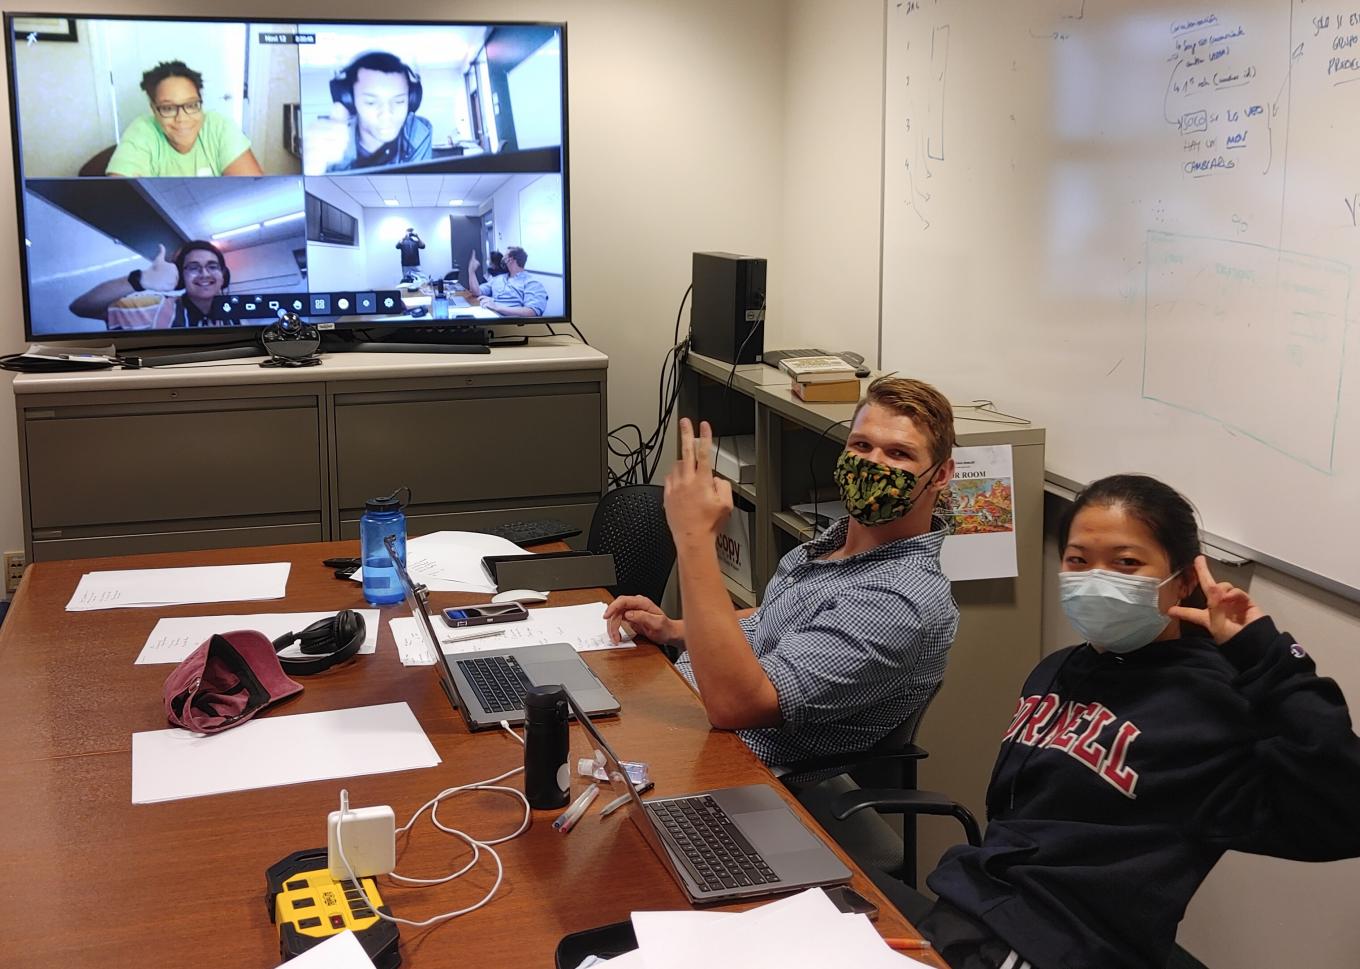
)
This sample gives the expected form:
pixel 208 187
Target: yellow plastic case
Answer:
pixel 309 906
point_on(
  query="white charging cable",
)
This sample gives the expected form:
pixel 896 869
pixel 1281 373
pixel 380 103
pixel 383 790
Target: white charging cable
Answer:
pixel 490 784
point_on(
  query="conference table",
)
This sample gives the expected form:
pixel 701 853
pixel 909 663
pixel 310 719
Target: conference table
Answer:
pixel 94 880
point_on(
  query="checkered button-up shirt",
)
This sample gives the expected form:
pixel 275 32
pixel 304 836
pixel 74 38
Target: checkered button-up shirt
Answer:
pixel 852 646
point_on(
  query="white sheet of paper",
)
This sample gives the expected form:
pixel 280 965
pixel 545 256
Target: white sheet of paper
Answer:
pixel 680 934
pixel 452 561
pixel 272 750
pixel 341 951
pixel 583 626
pixel 804 931
pixel 169 587
pixel 175 638
pixel 821 514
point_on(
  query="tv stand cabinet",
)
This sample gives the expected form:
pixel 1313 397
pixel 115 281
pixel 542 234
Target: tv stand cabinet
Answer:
pixel 131 461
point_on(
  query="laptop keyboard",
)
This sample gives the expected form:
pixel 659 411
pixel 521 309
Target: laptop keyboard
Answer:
pixel 716 853
pixel 498 681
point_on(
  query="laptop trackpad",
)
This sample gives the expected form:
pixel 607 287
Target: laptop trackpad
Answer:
pixel 775 832
pixel 570 673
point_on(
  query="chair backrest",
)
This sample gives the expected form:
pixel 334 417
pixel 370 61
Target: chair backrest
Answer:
pixel 96 165
pixel 905 732
pixel 630 524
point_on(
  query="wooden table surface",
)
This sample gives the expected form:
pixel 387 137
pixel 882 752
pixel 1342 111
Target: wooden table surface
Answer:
pixel 94 880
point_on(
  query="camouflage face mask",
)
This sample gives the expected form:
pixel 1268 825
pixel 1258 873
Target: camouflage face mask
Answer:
pixel 874 494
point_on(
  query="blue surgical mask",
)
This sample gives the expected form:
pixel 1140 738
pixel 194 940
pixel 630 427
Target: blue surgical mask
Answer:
pixel 1114 610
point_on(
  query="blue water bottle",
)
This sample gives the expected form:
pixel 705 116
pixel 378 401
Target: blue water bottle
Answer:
pixel 382 517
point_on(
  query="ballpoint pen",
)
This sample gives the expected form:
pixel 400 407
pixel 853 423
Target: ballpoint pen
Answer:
pixel 568 818
pixel 451 640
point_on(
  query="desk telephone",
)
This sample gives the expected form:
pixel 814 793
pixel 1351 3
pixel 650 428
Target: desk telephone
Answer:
pixel 856 360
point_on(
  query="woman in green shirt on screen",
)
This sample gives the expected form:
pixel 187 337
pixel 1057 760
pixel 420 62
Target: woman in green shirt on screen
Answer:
pixel 178 138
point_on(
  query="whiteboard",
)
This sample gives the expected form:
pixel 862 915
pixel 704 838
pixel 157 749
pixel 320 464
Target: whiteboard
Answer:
pixel 1138 224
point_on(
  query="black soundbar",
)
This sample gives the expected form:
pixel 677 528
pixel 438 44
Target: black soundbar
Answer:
pixel 366 347
pixel 204 356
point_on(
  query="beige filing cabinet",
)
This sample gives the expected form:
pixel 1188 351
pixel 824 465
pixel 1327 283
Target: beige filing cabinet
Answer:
pixel 121 462
pixel 998 641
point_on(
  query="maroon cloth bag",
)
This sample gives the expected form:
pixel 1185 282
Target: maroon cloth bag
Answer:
pixel 225 682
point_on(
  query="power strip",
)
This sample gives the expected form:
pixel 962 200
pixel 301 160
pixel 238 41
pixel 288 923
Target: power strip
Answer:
pixel 370 839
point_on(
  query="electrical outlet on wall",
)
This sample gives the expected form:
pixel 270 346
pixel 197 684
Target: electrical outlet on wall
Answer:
pixel 14 571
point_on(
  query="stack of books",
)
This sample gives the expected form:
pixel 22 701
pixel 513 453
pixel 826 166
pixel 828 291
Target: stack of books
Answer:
pixel 822 380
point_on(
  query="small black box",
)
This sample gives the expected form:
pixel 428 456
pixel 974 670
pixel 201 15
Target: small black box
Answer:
pixel 728 311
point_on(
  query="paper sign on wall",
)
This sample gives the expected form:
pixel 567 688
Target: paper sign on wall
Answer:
pixel 979 507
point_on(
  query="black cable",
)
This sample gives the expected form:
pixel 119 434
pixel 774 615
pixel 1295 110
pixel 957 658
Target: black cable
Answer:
pixel 732 374
pixel 674 377
pixel 639 463
pixel 582 336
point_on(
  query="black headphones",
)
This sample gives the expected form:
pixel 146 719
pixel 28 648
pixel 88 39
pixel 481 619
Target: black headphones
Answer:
pixel 342 84
pixel 325 642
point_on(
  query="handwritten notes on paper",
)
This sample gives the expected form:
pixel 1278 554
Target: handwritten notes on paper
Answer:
pixel 582 626
pixel 172 587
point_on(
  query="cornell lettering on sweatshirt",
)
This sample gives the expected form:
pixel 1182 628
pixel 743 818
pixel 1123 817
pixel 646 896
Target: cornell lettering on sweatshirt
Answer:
pixel 1075 729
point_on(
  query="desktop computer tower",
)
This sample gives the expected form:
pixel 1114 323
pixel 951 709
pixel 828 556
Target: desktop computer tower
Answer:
pixel 727 314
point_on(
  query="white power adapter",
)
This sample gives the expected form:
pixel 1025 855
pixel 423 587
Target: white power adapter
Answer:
pixel 370 838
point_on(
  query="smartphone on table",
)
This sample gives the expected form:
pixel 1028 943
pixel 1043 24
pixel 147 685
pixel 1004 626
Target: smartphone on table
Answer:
pixel 484 613
pixel 850 901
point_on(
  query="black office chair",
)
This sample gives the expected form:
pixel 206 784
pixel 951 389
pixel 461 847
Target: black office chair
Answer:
pixel 889 765
pixel 909 803
pixel 98 163
pixel 630 524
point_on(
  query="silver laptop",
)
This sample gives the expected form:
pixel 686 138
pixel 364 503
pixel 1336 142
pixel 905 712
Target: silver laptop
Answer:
pixel 732 843
pixel 488 686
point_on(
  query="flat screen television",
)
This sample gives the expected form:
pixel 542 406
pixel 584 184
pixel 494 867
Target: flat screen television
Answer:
pixel 182 175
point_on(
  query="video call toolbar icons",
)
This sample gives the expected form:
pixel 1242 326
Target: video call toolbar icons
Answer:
pixel 268 306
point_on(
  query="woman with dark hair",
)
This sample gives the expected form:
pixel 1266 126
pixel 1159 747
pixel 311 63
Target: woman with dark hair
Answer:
pixel 1185 726
pixel 178 137
pixel 197 275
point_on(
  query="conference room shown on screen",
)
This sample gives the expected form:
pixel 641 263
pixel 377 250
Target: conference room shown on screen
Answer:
pixel 209 173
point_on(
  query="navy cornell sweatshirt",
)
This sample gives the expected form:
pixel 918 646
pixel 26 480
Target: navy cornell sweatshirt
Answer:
pixel 1123 779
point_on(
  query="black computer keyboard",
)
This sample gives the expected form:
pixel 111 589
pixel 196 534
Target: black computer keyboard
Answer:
pixel 716 853
pixel 499 682
pixel 534 531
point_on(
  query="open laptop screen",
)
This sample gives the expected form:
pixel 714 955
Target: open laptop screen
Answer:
pixel 418 601
pixel 619 783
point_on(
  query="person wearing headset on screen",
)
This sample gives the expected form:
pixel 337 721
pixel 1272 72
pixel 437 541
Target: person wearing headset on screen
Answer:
pixel 178 137
pixel 517 293
pixel 373 120
pixel 199 268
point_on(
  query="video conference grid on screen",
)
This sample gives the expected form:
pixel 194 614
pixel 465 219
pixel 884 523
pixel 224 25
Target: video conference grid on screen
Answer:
pixel 209 173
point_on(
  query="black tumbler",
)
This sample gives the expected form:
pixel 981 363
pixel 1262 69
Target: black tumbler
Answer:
pixel 547 778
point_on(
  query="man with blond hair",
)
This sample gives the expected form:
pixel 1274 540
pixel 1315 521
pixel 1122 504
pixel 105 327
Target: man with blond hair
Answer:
pixel 855 627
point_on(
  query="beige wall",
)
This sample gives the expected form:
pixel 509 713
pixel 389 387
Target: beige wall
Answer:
pixel 832 173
